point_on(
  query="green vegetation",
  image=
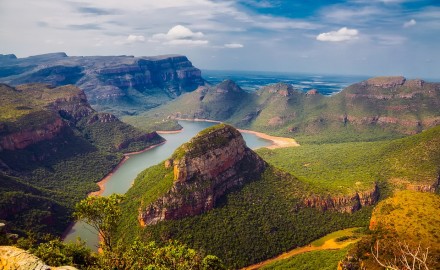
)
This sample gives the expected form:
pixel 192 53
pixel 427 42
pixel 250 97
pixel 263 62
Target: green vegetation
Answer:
pixel 248 225
pixel 152 124
pixel 104 214
pixel 338 236
pixel 42 181
pixel 198 145
pixel 314 260
pixel 360 112
pixel 64 74
pixel 408 218
pixel 414 217
pixel 348 167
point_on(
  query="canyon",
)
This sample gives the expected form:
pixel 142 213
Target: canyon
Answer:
pixel 117 84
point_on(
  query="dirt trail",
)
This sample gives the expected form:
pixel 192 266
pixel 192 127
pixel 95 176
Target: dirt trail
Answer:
pixel 328 245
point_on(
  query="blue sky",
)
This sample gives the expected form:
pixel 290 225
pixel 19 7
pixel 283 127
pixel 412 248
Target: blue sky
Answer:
pixel 364 37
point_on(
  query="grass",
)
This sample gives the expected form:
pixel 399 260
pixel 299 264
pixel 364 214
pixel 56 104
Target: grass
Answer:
pixel 349 167
pixel 408 217
pixel 414 216
pixel 342 168
pixel 314 260
pixel 350 232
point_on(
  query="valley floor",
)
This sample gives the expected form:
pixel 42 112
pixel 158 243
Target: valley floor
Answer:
pixel 327 242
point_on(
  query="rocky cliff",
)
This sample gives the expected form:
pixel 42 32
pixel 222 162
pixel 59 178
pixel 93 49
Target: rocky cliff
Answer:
pixel 211 164
pixel 348 203
pixel 53 147
pixel 118 84
pixel 38 112
pixel 13 258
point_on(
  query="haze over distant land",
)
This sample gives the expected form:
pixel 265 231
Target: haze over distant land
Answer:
pixel 367 37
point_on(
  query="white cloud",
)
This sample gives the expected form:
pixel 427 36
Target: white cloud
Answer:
pixel 180 35
pixel 135 38
pixel 410 23
pixel 343 34
pixel 233 45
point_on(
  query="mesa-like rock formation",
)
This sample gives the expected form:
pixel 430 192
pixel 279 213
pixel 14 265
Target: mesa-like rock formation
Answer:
pixel 347 203
pixel 211 164
pixel 120 84
pixel 13 258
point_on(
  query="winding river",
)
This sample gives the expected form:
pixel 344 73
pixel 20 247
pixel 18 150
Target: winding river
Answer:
pixel 121 179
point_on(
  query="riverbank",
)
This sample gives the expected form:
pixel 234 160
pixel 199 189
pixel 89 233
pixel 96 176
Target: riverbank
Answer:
pixel 104 180
pixel 277 142
pixel 169 131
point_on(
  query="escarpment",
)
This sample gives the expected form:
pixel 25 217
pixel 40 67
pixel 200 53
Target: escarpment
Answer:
pixel 205 168
pixel 344 203
pixel 117 84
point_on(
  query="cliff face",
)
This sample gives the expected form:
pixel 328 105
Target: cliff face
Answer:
pixel 348 204
pixel 41 113
pixel 119 84
pixel 53 147
pixel 205 169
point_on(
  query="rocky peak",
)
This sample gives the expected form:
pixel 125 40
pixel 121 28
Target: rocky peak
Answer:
pixel 228 86
pixel 386 82
pixel 312 92
pixel 414 83
pixel 206 168
pixel 280 89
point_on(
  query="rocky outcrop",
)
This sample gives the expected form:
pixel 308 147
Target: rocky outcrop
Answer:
pixel 27 137
pixel 347 203
pixel 386 82
pixel 280 89
pixel 207 167
pixel 312 92
pixel 13 258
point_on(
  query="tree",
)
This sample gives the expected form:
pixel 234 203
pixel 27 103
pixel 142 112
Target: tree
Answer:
pixel 407 258
pixel 102 213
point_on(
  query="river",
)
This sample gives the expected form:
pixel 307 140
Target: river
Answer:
pixel 123 177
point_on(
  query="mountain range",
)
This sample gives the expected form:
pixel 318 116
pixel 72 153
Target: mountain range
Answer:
pixel 378 108
pixel 117 84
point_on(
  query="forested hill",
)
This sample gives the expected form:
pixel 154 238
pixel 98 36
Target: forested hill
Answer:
pixel 53 149
pixel 375 109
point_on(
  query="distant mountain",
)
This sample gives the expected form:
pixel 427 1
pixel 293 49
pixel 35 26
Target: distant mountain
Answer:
pixel 53 149
pixel 116 84
pixel 378 108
